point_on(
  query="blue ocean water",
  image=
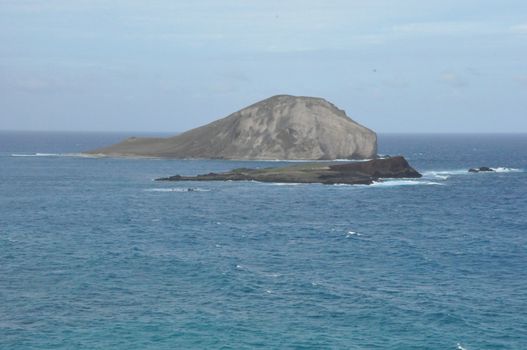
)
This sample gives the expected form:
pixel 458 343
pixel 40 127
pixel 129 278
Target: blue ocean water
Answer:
pixel 96 255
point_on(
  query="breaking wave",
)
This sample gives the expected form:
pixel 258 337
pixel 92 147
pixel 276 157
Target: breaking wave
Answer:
pixel 445 174
pixel 36 155
pixel 382 183
pixel 285 183
pixel 178 189
pixel 394 183
pixel 506 170
pixel 81 155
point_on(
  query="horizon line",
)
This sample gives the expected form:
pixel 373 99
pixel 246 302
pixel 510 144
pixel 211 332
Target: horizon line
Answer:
pixel 180 132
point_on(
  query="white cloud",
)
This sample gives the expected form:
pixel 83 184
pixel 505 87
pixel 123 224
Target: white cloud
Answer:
pixel 440 28
pixel 521 79
pixel 32 6
pixel 519 29
pixel 452 79
pixel 33 84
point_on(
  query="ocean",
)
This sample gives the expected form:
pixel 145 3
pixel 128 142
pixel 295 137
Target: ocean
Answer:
pixel 96 255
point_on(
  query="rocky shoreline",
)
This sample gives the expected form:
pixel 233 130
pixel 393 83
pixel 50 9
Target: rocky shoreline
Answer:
pixel 354 173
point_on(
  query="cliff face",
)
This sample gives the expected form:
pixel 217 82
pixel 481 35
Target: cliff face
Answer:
pixel 280 127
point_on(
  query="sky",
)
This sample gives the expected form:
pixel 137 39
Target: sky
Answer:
pixel 169 65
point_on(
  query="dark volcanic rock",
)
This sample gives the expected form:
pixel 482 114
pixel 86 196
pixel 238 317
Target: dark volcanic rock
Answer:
pixel 326 173
pixel 392 167
pixel 480 169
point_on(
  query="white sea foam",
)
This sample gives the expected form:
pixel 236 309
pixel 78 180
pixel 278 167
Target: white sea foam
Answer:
pixel 83 155
pixel 394 183
pixel 506 170
pixel 459 347
pixel 178 189
pixel 35 155
pixel 285 183
pixel 80 155
pixel 352 233
pixel 444 174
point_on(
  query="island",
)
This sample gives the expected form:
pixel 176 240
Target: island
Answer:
pixel 353 173
pixel 281 127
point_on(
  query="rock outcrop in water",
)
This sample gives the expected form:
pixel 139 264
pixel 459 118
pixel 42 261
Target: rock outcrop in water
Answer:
pixel 280 127
pixel 480 169
pixel 327 173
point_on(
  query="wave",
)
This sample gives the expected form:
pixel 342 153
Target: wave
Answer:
pixel 36 155
pixel 506 170
pixel 394 183
pixel 352 233
pixel 178 189
pixel 80 155
pixel 283 183
pixel 381 183
pixel 445 174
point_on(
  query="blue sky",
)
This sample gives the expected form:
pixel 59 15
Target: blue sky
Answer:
pixel 159 65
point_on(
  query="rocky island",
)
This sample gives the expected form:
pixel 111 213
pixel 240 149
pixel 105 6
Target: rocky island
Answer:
pixel 481 169
pixel 363 172
pixel 280 127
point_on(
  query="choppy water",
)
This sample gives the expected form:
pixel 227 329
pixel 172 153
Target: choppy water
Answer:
pixel 95 255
